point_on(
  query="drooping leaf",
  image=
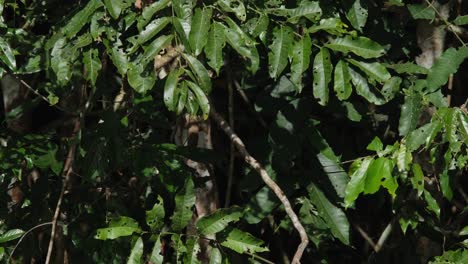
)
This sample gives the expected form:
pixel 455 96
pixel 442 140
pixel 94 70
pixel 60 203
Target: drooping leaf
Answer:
pixel 80 19
pixel 342 81
pixel 182 91
pixel 308 9
pixel 257 25
pixel 233 6
pixel 445 65
pixel 335 173
pixel 199 30
pixel 279 50
pixel 92 65
pixel 203 101
pixel 200 72
pixel 10 235
pixel 181 32
pixel 242 242
pixel 432 204
pixel 357 15
pixel 445 185
pixel 410 112
pixel 151 30
pixel 408 67
pixel 375 145
pixel 418 178
pixel 215 256
pixel 391 87
pixel 218 220
pixel 242 43
pixel 114 7
pixel 170 90
pixel 374 70
pixel 360 46
pixel 139 79
pixel 6 54
pixel 60 61
pixel 380 174
pixel 149 11
pixel 155 216
pixel 154 48
pixel 333 216
pixel 184 201
pixel 357 183
pixel 136 253
pixel 363 89
pixel 301 52
pixel 118 227
pixel 332 25
pixel 193 249
pixel 156 256
pixel 421 11
pixel 418 137
pixel 214 46
pixel 461 20
pixel 322 71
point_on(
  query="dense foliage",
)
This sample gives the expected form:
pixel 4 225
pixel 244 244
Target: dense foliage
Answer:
pixel 365 133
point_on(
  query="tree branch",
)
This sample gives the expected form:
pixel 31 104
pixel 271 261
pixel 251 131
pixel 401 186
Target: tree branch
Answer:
pixel 268 181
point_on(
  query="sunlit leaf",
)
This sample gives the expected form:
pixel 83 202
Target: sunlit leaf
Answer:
pixel 92 65
pixel 357 183
pixel 199 31
pixel 360 46
pixel 322 71
pixel 233 6
pixel 136 253
pixel 10 235
pixel 214 46
pixel 363 89
pixel 184 201
pixel 374 70
pixel 118 227
pixel 357 15
pixel 279 50
pixel 342 81
pixel 170 90
pixel 243 242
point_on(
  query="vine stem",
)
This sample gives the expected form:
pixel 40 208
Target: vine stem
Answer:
pixel 25 234
pixel 268 181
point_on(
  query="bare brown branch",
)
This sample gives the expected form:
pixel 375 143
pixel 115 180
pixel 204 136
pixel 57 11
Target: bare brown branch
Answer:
pixel 268 181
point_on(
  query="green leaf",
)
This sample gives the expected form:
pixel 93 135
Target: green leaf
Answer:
pixel 461 20
pixel 203 101
pixel 170 90
pixel 410 112
pixel 375 145
pixel 114 7
pixel 351 112
pixel 322 71
pixel 308 9
pixel 444 179
pixel 464 231
pixel 391 87
pixel 156 256
pixel 218 220
pixel 60 61
pixel 421 11
pixel 357 15
pixel 257 25
pixel 214 46
pixel 154 48
pixel 6 54
pixel 242 242
pixel 136 253
pixel 215 256
pixel 432 203
pixel 80 19
pixel 380 174
pixel 193 249
pixel 118 58
pixel 337 176
pixel 118 227
pixel 360 46
pixel 408 67
pixel 357 183
pixel 181 34
pixel 418 178
pixel 445 65
pixel 363 89
pixel 279 50
pixel 149 32
pixel 182 91
pixel 199 31
pixel 233 6
pixel 2 249
pixel 184 201
pixel 92 65
pixel 422 135
pixel 200 72
pixel 374 70
pixel 155 216
pixel 10 235
pixel 332 215
pixel 342 81
pixel 300 61
pixel 139 79
pixel 332 25
pixel 242 43
pixel 149 11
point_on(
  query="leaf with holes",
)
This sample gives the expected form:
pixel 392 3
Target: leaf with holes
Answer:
pixel 358 180
pixel 242 242
pixel 233 6
pixel 217 221
pixel 279 50
pixel 92 65
pixel 300 61
pixel 342 81
pixel 184 202
pixel 136 253
pixel 410 112
pixel 214 46
pixel 322 71
pixel 357 15
pixel 118 227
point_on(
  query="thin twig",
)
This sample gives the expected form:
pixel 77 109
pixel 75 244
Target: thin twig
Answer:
pixel 260 258
pixel 449 25
pixel 450 88
pixel 366 237
pixel 268 181
pixel 25 234
pixel 384 236
pixel 67 171
pixel 231 147
pixel 249 104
